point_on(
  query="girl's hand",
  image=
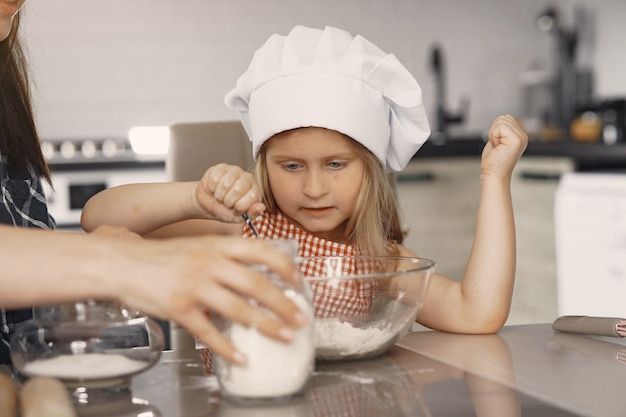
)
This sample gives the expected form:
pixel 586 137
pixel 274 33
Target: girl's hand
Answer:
pixel 507 142
pixel 226 192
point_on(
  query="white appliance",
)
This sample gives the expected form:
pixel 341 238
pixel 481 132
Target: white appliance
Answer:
pixel 82 167
pixel 590 218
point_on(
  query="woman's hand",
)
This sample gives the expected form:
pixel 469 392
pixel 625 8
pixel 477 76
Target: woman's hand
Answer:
pixel 226 192
pixel 119 232
pixel 507 142
pixel 191 277
pixel 180 279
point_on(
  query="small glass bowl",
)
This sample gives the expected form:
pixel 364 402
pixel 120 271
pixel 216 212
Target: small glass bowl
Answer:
pixel 87 345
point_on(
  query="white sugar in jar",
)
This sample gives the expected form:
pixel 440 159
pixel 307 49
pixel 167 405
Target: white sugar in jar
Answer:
pixel 273 368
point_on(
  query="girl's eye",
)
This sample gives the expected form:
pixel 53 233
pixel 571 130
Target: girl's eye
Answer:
pixel 336 164
pixel 291 167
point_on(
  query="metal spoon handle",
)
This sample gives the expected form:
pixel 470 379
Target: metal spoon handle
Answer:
pixel 250 224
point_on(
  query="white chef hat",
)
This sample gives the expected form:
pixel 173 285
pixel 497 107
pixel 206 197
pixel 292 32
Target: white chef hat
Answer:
pixel 331 79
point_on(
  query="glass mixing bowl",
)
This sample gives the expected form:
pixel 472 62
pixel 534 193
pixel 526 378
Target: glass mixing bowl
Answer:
pixel 87 345
pixel 364 304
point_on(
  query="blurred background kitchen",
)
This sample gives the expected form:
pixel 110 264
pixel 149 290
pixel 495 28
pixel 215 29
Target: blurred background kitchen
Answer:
pixel 107 71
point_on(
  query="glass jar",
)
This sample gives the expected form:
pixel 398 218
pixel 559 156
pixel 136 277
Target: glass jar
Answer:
pixel 88 345
pixel 273 369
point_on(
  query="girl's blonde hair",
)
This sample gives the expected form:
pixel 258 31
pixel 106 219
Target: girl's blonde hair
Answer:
pixel 374 227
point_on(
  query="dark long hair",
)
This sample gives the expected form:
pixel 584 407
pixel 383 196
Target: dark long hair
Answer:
pixel 19 141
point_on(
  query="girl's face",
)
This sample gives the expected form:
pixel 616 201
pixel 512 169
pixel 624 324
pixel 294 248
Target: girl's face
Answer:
pixel 8 10
pixel 315 175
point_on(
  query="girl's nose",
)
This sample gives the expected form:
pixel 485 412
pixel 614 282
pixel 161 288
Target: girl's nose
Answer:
pixel 314 184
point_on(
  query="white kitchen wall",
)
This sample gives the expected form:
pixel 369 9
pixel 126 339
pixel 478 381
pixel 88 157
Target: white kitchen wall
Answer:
pixel 101 67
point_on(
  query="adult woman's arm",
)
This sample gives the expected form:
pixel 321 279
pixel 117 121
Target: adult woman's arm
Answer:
pixel 178 279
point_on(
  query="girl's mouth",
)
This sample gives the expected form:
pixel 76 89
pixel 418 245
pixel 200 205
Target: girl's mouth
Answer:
pixel 317 211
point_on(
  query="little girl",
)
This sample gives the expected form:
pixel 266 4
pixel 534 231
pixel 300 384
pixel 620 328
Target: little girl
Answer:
pixel 329 114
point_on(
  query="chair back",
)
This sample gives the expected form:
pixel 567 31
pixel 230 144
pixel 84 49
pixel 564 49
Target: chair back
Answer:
pixel 194 147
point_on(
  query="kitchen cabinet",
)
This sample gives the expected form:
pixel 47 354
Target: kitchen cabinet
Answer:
pixel 439 199
pixel 533 186
pixel 591 242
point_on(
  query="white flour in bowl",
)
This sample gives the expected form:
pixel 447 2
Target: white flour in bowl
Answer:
pixel 85 366
pixel 335 339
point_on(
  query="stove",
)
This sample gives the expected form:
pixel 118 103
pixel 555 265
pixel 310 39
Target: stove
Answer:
pixel 82 167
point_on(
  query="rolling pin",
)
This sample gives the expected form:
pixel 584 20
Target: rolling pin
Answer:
pixel 8 396
pixel 44 396
pixel 598 326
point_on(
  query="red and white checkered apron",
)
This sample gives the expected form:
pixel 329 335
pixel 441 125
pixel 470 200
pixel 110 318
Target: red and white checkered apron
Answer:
pixel 333 298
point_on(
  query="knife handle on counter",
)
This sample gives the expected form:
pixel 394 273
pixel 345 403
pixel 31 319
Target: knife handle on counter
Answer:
pixel 597 326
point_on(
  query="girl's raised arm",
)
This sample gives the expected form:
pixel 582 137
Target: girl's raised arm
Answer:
pixel 481 302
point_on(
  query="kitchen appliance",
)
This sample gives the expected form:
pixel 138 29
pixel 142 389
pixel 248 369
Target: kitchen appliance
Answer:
pixel 602 121
pixel 444 117
pixel 83 167
pixel 551 99
pixel 613 115
pixel 590 221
